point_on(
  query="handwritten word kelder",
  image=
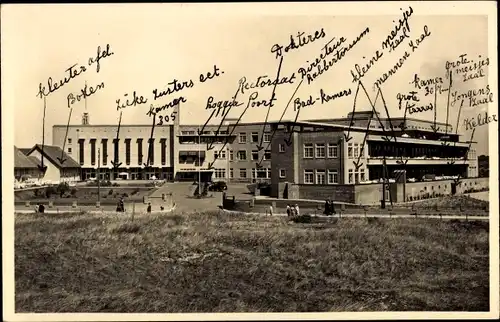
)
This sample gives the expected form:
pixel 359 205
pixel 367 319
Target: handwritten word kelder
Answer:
pixel 73 72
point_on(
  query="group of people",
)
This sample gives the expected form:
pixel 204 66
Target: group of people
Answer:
pixel 40 208
pixel 292 211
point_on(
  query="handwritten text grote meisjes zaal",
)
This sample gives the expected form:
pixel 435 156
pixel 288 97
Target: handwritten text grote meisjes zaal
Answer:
pixel 73 72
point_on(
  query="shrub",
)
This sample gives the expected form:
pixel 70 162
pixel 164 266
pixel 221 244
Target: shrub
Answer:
pixel 125 195
pixel 49 191
pixel 302 219
pixel 129 228
pixel 110 192
pixel 62 189
pixel 73 192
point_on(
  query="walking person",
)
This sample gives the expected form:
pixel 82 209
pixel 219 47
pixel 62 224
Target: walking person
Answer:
pixel 288 210
pixel 327 208
pixel 332 208
pixel 149 208
pixel 270 210
pixel 41 208
pixel 297 212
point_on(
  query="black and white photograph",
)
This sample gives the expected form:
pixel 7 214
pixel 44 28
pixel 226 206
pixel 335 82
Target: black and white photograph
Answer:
pixel 248 161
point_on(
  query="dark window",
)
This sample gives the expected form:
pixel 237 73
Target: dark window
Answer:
pixel 92 151
pixel 151 154
pixel 82 159
pixel 139 151
pixel 115 142
pixel 127 151
pixel 104 151
pixel 163 152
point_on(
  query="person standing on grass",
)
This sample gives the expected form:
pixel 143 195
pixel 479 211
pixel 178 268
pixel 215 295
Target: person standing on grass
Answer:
pixel 297 212
pixel 36 208
pixel 327 208
pixel 270 210
pixel 288 210
pixel 41 208
pixel 149 208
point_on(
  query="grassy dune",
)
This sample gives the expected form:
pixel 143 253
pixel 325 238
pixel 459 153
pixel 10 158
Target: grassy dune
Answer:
pixel 211 262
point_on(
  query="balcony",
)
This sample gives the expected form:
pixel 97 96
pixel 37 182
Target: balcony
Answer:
pixel 416 161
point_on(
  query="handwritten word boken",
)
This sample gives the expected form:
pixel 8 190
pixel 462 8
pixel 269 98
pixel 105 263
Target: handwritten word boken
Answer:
pixel 85 92
pixel 74 71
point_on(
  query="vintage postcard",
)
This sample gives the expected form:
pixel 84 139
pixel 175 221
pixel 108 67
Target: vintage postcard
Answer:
pixel 250 161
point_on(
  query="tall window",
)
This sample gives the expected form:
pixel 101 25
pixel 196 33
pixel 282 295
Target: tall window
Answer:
pixel 242 155
pixel 139 151
pixel 333 150
pixel 255 155
pixel 255 137
pixel 243 173
pixel 231 173
pixel 320 150
pixel 151 151
pixel 127 151
pixel 333 177
pixel 243 138
pixel 308 150
pixel 104 151
pixel 320 177
pixel 356 176
pixel 267 155
pixel 69 150
pixel 281 147
pixel 81 152
pixel 267 137
pixel 92 151
pixel 362 175
pixel 349 150
pixel 231 155
pixel 116 156
pixel 163 143
pixel 308 176
pixel 356 151
pixel 282 173
pixel 69 140
pixel 351 176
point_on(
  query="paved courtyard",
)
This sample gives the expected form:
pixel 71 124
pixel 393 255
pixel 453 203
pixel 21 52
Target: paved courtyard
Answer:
pixel 182 196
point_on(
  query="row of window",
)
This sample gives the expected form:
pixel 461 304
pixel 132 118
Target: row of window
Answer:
pixel 319 150
pixel 241 155
pixel 104 152
pixel 354 150
pixel 263 173
pixel 242 137
pixel 321 176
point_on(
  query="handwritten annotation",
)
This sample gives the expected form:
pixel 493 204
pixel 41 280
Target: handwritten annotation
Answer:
pixel 85 92
pixel 73 72
pixel 469 69
pixel 297 41
pixel 321 65
pixel 482 119
pixel 323 98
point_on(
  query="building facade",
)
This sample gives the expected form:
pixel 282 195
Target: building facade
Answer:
pixel 329 155
pixel 305 154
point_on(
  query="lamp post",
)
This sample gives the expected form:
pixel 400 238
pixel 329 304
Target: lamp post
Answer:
pixel 199 162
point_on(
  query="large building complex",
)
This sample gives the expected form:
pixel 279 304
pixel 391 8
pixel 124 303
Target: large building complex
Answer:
pixel 298 158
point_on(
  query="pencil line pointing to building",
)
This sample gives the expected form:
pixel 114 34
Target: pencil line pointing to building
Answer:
pixel 62 159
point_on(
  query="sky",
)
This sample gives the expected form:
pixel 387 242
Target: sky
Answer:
pixel 153 44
